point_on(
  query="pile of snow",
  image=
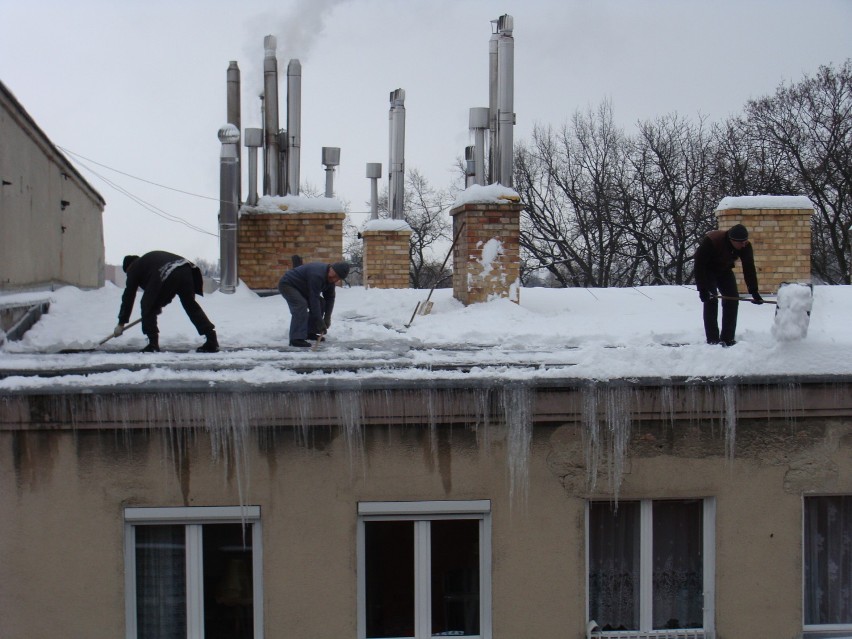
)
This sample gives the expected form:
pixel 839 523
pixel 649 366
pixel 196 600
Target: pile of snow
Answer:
pixel 490 193
pixel 295 204
pixel 600 334
pixel 793 313
pixel 773 202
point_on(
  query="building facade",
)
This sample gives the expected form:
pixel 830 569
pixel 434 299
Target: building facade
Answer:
pixel 52 219
pixel 560 509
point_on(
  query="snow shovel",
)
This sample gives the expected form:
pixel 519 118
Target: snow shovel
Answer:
pixel 793 312
pixel 102 342
pixel 425 307
pixel 741 299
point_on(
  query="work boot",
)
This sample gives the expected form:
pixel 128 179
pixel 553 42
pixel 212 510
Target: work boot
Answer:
pixel 153 345
pixel 302 343
pixel 211 345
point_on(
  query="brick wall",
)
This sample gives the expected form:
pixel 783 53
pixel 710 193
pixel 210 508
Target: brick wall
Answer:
pixel 266 243
pixel 486 259
pixel 386 258
pixel 781 239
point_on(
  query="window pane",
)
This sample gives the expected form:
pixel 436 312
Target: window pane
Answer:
pixel 678 576
pixel 455 577
pixel 828 560
pixel 228 586
pixel 614 565
pixel 160 582
pixel 389 567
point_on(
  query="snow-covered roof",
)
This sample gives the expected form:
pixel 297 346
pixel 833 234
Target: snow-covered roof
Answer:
pixel 778 202
pixel 295 204
pixel 553 334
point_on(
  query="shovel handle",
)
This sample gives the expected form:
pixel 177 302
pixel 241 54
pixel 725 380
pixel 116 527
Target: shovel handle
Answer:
pixel 741 299
pixel 109 337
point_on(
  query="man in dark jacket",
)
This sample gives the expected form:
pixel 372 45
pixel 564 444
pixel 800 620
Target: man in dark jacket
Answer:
pixel 309 291
pixel 714 277
pixel 163 275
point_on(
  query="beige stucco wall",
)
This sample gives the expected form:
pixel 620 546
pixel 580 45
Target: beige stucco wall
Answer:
pixel 42 241
pixel 62 495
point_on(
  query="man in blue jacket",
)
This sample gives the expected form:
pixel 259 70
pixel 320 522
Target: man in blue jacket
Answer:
pixel 162 276
pixel 309 291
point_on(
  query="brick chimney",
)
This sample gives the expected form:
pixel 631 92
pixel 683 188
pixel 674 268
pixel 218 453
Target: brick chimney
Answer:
pixel 486 258
pixel 269 234
pixel 779 229
pixel 386 256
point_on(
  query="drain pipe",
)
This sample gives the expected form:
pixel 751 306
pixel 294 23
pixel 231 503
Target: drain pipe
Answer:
pixel 396 175
pixel 374 172
pixel 294 124
pixel 229 170
pixel 330 159
pixel 253 140
pixel 270 116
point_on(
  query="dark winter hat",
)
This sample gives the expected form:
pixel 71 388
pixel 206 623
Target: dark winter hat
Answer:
pixel 738 233
pixel 342 269
pixel 128 260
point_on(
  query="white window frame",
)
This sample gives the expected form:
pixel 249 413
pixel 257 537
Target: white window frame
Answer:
pixel 421 513
pixel 646 545
pixel 819 631
pixel 193 518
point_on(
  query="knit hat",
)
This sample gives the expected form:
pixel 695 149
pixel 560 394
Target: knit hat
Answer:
pixel 342 269
pixel 738 233
pixel 128 260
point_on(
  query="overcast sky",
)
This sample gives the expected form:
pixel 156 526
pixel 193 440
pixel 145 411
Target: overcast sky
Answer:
pixel 140 85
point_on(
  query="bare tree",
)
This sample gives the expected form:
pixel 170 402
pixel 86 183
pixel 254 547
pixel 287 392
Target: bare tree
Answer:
pixel 809 125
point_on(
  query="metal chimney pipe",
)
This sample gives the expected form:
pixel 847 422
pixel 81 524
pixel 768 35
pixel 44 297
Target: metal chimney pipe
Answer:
pixel 493 148
pixel 253 140
pixel 396 175
pixel 469 166
pixel 330 158
pixel 233 100
pixel 282 162
pixel 374 172
pixel 294 124
pixel 270 116
pixel 505 97
pixel 229 169
pixel 478 121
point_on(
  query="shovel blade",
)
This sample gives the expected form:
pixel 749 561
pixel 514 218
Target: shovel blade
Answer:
pixel 793 311
pixel 425 308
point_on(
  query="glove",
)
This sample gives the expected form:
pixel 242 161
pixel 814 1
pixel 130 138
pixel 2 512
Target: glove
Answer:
pixel 756 298
pixel 704 296
pixel 118 330
pixel 327 321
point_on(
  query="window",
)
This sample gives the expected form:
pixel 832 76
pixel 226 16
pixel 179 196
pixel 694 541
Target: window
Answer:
pixel 424 569
pixel 193 573
pixel 828 566
pixel 651 568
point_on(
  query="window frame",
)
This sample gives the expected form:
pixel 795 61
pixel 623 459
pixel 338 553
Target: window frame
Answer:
pixel 818 631
pixel 646 545
pixel 193 518
pixel 422 512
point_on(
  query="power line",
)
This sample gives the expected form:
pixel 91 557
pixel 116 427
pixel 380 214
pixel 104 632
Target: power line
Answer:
pixel 150 207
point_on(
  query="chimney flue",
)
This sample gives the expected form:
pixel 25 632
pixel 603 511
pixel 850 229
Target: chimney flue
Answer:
pixel 396 175
pixel 294 124
pixel 270 116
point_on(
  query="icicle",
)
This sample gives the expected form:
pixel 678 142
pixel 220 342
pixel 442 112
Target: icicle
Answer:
pixel 517 412
pixel 729 395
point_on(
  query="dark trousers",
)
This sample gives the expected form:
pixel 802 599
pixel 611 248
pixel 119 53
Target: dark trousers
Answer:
pixel 726 284
pixel 300 315
pixel 179 283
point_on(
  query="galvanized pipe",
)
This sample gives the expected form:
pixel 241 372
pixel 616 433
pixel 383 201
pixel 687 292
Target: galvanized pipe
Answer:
pixel 469 166
pixel 396 174
pixel 330 159
pixel 233 101
pixel 294 124
pixel 493 148
pixel 374 172
pixel 478 121
pixel 270 116
pixel 505 97
pixel 253 140
pixel 229 169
